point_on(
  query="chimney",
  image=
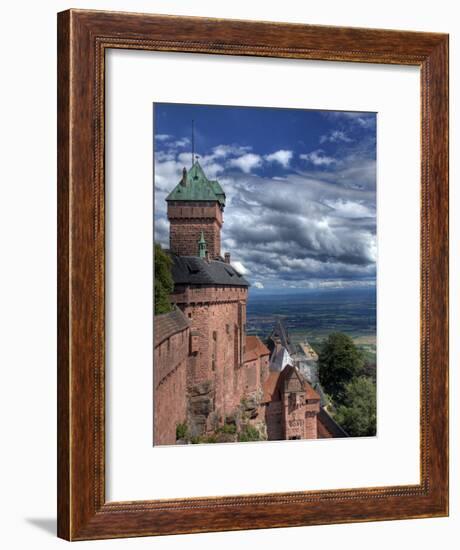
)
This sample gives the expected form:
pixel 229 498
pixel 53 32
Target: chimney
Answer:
pixel 227 257
pixel 206 256
pixel 183 181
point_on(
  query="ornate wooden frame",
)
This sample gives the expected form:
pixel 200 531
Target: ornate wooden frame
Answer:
pixel 83 37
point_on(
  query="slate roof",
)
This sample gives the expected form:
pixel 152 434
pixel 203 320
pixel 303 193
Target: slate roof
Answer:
pixel 280 332
pixel 280 358
pixel 191 270
pixel 196 187
pixel 167 324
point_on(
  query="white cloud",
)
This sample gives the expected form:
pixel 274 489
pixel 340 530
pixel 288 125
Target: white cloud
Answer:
pixel 282 156
pixel 318 158
pixel 182 142
pixel 367 122
pixel 222 151
pixel 240 268
pixel 171 142
pixel 351 209
pixel 258 284
pixel 363 119
pixel 246 162
pixel 335 136
pixel 344 284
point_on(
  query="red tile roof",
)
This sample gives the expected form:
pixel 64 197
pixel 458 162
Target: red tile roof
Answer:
pixel 270 387
pixel 310 393
pixel 254 349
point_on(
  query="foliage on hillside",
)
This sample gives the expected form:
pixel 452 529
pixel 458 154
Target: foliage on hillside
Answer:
pixel 339 362
pixel 358 413
pixel 350 383
pixel 164 284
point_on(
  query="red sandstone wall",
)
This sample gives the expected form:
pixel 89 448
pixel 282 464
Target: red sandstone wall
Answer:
pixel 251 376
pixel 311 417
pixel 273 419
pixel 285 421
pixel 300 421
pixel 264 366
pixel 188 296
pixel 170 372
pixel 186 224
pixel 217 316
pixel 294 418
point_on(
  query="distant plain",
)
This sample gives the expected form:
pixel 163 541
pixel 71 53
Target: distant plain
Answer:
pixel 313 314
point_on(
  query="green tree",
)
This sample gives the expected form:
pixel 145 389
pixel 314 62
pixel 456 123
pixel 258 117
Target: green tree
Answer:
pixel 358 413
pixel 164 283
pixel 339 362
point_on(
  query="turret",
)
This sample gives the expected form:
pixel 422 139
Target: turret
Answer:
pixel 202 247
pixel 195 209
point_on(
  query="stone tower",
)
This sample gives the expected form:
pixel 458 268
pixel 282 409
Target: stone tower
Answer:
pixel 195 212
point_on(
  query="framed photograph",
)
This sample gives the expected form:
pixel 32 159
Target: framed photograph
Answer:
pixel 252 275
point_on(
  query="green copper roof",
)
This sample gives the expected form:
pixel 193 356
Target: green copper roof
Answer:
pixel 197 187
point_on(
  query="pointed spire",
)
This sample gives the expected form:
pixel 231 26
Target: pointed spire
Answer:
pixel 193 142
pixel 202 246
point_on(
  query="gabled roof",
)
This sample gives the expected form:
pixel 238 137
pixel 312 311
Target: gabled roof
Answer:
pixel 255 343
pixel 290 371
pixel 254 349
pixel 280 332
pixel 192 270
pixel 274 384
pixel 195 186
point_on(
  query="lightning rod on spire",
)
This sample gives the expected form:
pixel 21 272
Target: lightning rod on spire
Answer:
pixel 193 142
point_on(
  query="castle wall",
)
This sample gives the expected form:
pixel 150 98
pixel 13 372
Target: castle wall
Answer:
pixel 218 317
pixel 251 378
pixel 274 420
pixel 311 422
pixel 264 368
pixel 186 224
pixel 170 374
pixel 285 421
pixel 300 420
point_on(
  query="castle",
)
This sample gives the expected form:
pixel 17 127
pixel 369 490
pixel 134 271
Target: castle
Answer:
pixel 208 373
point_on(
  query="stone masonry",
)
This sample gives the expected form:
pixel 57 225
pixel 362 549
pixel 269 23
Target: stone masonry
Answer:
pixel 172 340
pixel 187 223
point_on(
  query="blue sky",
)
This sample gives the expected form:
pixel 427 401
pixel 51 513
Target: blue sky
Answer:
pixel 300 186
